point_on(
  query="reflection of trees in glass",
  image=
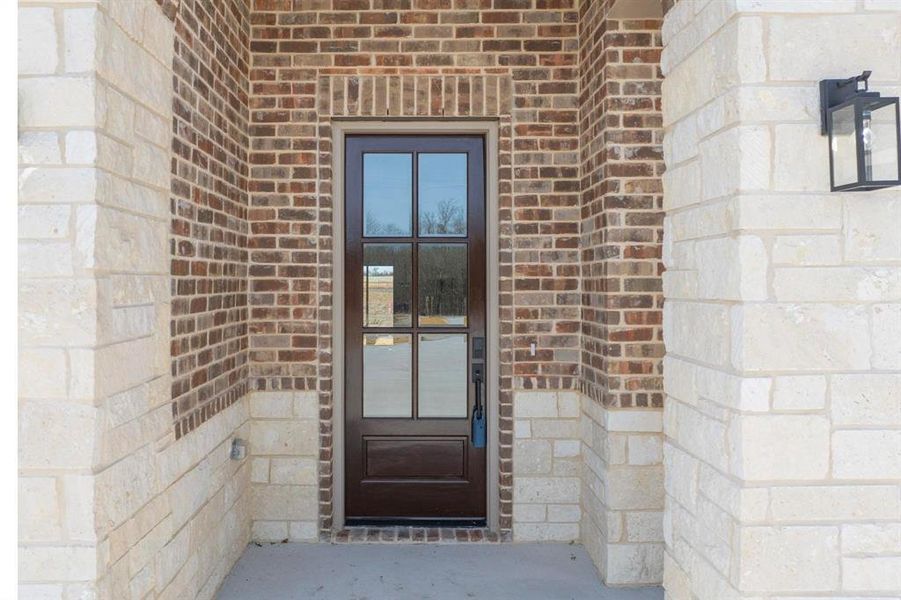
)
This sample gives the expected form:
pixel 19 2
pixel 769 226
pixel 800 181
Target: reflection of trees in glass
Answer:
pixel 442 282
pixel 373 226
pixel 447 219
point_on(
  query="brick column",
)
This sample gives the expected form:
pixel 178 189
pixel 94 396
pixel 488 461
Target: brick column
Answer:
pixel 783 448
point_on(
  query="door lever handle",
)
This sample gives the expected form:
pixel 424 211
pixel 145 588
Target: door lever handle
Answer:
pixel 479 433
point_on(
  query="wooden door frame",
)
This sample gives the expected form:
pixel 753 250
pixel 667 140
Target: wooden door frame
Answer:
pixel 341 128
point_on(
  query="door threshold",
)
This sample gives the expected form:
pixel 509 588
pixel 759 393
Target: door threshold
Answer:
pixel 414 522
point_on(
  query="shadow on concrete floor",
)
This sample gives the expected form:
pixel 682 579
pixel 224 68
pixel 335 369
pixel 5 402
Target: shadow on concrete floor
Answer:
pixel 420 571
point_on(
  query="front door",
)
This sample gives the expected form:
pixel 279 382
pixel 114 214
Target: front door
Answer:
pixel 414 328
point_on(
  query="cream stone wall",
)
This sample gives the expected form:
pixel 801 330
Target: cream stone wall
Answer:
pixel 111 505
pixel 783 310
pixel 546 466
pixel 622 492
pixel 284 448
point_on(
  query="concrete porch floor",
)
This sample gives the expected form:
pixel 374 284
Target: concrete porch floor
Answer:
pixel 420 571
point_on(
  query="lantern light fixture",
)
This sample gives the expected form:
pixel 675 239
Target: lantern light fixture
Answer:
pixel 864 135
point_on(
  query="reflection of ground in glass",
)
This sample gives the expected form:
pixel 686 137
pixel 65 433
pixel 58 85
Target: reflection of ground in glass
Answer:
pixel 388 374
pixel 442 375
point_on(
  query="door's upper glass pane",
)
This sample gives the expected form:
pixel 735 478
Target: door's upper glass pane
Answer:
pixel 387 375
pixel 442 284
pixel 387 194
pixel 387 275
pixel 442 194
pixel 442 375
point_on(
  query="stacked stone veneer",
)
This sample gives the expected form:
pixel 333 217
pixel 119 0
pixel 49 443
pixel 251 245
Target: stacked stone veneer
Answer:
pixel 547 465
pixel 783 420
pixel 111 504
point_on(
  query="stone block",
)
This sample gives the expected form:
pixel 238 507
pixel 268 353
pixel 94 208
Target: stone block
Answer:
pixel 271 405
pixel 303 531
pixel 788 211
pixel 40 517
pixel 871 232
pixel 785 559
pixel 733 268
pixel 810 504
pixel 285 502
pixel 535 404
pixel 805 250
pixel 81 32
pixel 564 513
pixel 283 438
pixel 294 470
pixel 837 284
pixel 57 563
pixel 885 322
pixel 532 457
pixel 52 186
pixel 42 373
pixel 56 435
pixel 866 399
pixel 56 102
pixel 38 148
pixel 866 454
pixel 882 538
pixel 269 531
pixel 682 319
pixel 645 526
pixel 546 532
pixel 810 336
pixel 780 447
pixel 634 564
pixel 800 392
pixel 37 48
pixel 635 488
pixel 529 513
pixel 645 449
pixel 791 38
pixel 560 490
pixel 872 574
pixel 735 160
pixel 801 160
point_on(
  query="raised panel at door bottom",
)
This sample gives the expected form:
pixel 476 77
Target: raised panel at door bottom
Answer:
pixel 415 457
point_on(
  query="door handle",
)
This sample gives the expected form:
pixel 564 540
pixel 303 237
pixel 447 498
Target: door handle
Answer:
pixel 479 433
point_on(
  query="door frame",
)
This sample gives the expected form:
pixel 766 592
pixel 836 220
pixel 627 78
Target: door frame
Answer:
pixel 341 128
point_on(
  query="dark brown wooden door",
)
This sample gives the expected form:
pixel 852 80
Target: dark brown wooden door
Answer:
pixel 414 327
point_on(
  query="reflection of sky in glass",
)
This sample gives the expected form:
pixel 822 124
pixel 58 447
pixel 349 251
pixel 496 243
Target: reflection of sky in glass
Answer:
pixel 387 194
pixel 442 194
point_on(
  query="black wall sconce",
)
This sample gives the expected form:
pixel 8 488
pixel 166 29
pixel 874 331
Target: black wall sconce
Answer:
pixel 864 135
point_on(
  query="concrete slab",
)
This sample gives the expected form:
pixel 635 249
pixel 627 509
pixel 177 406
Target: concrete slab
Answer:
pixel 421 572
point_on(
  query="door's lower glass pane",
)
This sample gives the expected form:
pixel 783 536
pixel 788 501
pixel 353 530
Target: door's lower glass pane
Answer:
pixel 387 375
pixel 387 272
pixel 442 375
pixel 442 284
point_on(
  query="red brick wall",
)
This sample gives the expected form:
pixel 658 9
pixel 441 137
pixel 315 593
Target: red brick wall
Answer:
pixel 297 46
pixel 209 207
pixel 622 218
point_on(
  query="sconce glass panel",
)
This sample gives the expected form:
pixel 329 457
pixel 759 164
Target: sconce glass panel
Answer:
pixel 843 145
pixel 880 142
